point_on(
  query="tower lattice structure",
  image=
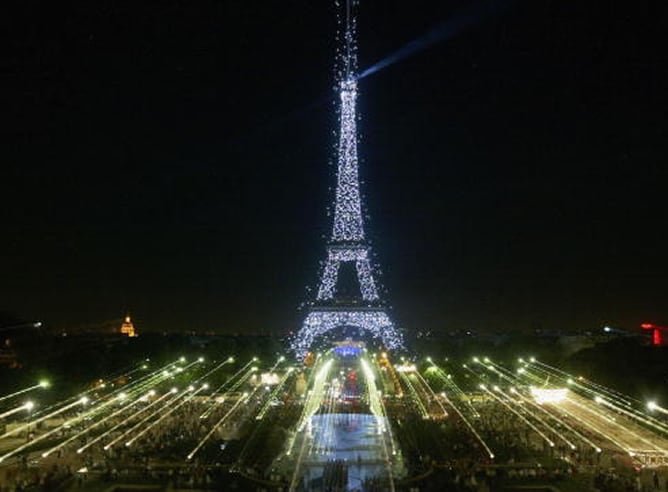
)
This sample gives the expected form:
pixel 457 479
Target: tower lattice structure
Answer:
pixel 348 243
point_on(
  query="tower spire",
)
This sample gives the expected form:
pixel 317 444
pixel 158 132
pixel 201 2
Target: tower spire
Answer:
pixel 348 224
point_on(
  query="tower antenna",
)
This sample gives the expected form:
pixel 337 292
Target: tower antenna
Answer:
pixel 349 36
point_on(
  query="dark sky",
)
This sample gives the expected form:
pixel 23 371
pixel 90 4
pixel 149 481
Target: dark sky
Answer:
pixel 172 158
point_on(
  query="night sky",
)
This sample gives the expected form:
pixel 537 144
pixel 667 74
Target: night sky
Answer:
pixel 174 159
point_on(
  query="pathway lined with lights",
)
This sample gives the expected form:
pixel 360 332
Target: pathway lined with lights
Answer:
pixel 110 413
pixel 572 410
pixel 330 430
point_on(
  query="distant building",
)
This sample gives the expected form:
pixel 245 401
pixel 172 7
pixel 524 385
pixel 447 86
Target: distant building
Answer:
pixel 659 334
pixel 349 348
pixel 127 328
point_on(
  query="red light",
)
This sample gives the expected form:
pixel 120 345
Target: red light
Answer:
pixel 656 337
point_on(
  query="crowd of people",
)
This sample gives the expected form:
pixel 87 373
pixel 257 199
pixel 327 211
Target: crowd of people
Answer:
pixel 159 454
pixel 445 452
pixel 24 478
pixel 612 481
pixel 450 455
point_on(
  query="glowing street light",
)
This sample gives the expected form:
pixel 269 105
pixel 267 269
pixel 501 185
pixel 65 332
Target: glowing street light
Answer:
pixel 26 406
pixel 41 384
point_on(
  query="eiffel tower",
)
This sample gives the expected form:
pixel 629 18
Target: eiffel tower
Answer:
pixel 347 246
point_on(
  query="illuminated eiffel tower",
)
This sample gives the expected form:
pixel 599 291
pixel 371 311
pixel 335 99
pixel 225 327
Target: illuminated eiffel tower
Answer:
pixel 348 245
